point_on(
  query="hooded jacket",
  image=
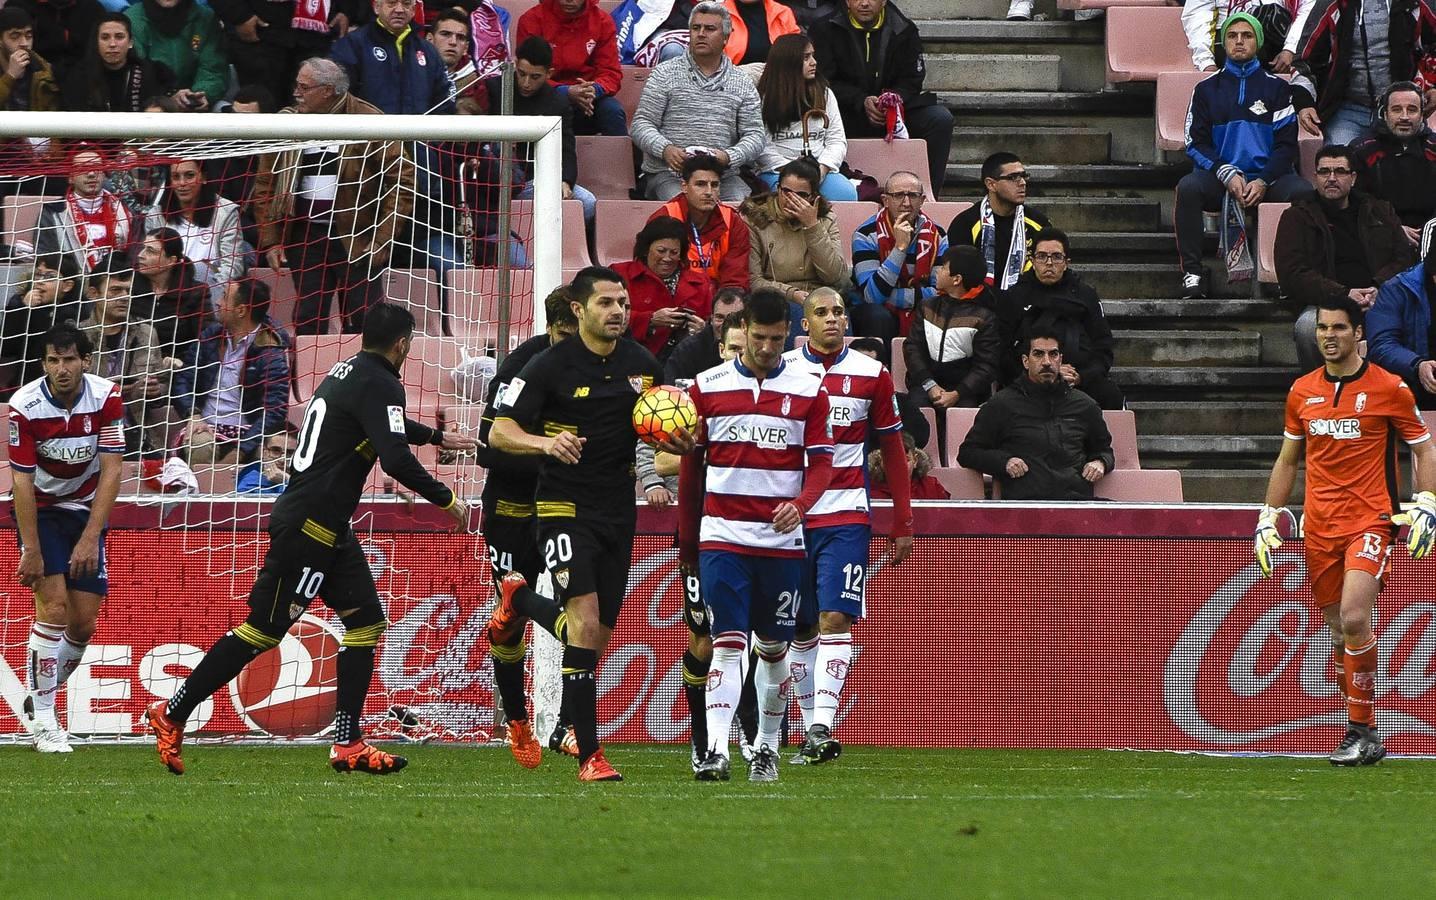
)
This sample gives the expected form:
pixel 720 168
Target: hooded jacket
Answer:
pixel 787 258
pixel 860 63
pixel 584 46
pixel 1241 121
pixel 1305 252
pixel 1054 428
pixel 1398 325
pixel 1401 172
pixel 194 52
pixel 1069 309
pixel 955 344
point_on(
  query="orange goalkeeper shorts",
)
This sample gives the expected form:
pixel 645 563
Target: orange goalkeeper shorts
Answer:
pixel 1329 559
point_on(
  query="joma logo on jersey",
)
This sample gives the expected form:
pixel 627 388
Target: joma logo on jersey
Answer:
pixel 71 453
pixel 1337 429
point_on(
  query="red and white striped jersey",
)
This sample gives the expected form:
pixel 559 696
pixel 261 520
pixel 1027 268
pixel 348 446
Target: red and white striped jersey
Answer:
pixel 62 447
pixel 860 395
pixel 757 435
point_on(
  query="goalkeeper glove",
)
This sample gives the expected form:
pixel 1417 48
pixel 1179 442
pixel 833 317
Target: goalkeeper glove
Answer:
pixel 1268 537
pixel 1422 519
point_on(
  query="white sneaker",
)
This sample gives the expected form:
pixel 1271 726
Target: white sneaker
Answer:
pixel 1087 15
pixel 51 740
pixel 1020 10
pixel 746 750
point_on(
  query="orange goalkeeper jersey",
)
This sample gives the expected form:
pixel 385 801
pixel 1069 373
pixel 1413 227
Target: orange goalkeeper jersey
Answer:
pixel 1350 426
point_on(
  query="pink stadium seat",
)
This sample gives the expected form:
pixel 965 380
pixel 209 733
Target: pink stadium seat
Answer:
pixel 930 448
pixel 5 479
pixel 1174 96
pixel 1306 147
pixel 605 166
pixel 1145 41
pixel 961 484
pixel 851 214
pixel 634 78
pixel 1122 423
pixel 474 307
pixel 467 415
pixel 1141 486
pixel 959 423
pixel 878 158
pixel 575 239
pixel 315 355
pixel 20 213
pixel 428 377
pixel 899 364
pixel 417 289
pixel 616 223
pixel 1268 218
pixel 1110 4
pixel 282 298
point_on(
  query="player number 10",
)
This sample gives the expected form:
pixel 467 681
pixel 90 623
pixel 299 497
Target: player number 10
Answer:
pixel 309 582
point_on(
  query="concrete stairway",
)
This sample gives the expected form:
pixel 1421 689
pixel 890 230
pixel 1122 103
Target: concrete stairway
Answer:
pixel 1206 378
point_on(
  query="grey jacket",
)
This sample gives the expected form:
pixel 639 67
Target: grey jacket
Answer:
pixel 682 106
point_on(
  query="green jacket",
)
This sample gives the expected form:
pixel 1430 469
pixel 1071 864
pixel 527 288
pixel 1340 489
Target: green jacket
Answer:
pixel 195 55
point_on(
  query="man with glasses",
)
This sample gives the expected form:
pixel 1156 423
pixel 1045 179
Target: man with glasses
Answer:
pixel 1241 135
pixel 1340 243
pixel 1397 161
pixel 992 226
pixel 269 474
pixel 391 66
pixel 895 256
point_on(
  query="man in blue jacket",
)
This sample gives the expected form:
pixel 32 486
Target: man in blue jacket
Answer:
pixel 1398 329
pixel 1241 135
pixel 391 66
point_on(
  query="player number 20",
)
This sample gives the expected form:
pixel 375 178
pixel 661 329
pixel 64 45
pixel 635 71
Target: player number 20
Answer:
pixel 309 433
pixel 559 549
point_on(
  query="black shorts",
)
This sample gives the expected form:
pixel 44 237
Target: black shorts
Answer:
pixel 587 558
pixel 513 547
pixel 303 563
pixel 695 612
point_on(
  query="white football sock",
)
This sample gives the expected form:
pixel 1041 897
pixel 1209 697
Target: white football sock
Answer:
pixel 70 655
pixel 725 687
pixel 835 655
pixel 771 683
pixel 44 666
pixel 802 657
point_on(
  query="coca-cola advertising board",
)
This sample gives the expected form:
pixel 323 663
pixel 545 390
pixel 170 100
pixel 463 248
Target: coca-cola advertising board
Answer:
pixel 997 639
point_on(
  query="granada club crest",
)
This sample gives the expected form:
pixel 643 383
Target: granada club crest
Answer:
pixel 837 668
pixel 1361 401
pixel 290 691
pixel 787 405
pixel 847 384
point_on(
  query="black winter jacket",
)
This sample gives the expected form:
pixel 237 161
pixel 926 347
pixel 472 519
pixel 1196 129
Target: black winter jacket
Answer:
pixel 1401 172
pixel 1069 309
pixel 1054 428
pixel 895 63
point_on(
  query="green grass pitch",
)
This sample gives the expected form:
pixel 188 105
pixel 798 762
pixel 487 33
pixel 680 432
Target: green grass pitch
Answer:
pixel 268 822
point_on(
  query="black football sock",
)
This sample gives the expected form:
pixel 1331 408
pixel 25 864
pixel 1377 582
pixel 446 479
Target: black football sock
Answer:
pixel 580 698
pixel 509 679
pixel 695 684
pixel 532 605
pixel 748 703
pixel 355 671
pixel 220 665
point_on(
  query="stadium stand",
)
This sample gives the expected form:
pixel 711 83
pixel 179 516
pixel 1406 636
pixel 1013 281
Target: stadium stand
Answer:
pixel 1145 41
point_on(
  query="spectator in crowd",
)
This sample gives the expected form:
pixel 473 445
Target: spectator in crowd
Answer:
pixel 1202 21
pixel 269 475
pixel 794 242
pixel 128 353
pixel 237 392
pixel 112 77
pixel 991 225
pixel 331 211
pixel 809 13
pixel 872 56
pixel 1354 49
pixel 1397 161
pixel 64 31
pixel 652 31
pixel 801 117
pixel 26 80
pixel 1339 243
pixel 757 25
pixel 719 238
pixel 268 39
pixel 699 352
pixel 954 351
pixel 185 37
pixel 50 297
pixel 923 485
pixel 234 175
pixel 207 223
pixel 914 423
pixel 895 256
pixel 253 98
pixel 585 69
pixel 1053 299
pixel 168 295
pixel 452 38
pixel 668 299
pixel 1241 135
pixel 535 95
pixel 1039 437
pixel 1399 326
pixel 391 67
pixel 88 223
pixel 699 103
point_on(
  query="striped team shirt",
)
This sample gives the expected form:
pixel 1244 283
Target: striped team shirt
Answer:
pixel 756 434
pixel 860 396
pixel 62 446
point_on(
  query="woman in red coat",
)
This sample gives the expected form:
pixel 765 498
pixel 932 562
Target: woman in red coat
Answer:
pixel 667 300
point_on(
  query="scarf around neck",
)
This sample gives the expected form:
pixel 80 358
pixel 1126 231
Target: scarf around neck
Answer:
pixel 1016 251
pixel 922 252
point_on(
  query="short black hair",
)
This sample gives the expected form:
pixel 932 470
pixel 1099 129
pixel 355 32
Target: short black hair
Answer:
pixel 452 14
pixel 767 306
pixel 702 162
pixel 536 52
pixel 867 345
pixel 803 167
pixel 1337 151
pixel 730 292
pixel 385 323
pixel 13 17
pixel 587 277
pixel 258 93
pixel 1345 304
pixel 254 294
pixel 662 228
pixel 66 336
pixel 966 262
pixel 1397 87
pixel 736 320
pixel 1053 234
pixel 992 166
pixel 557 309
pixel 1040 334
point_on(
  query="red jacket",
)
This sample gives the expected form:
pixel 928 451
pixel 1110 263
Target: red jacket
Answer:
pixel 647 294
pixel 725 245
pixel 584 46
pixel 925 488
pixel 780 22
